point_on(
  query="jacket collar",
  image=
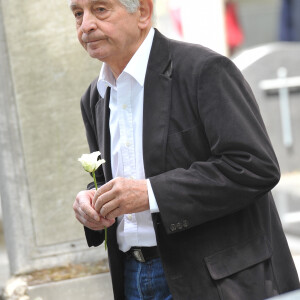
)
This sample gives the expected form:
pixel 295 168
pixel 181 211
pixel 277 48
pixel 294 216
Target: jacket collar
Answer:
pixel 102 113
pixel 157 101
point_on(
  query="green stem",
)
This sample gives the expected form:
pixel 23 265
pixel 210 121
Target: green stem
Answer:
pixel 105 243
pixel 95 180
pixel 105 229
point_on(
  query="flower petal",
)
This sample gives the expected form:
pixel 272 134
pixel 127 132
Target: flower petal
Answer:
pixel 90 161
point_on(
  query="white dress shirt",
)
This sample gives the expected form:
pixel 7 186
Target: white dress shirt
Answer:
pixel 126 132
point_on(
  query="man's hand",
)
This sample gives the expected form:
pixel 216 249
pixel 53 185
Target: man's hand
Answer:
pixel 86 214
pixel 121 196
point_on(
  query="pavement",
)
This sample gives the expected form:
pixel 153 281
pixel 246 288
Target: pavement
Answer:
pixel 4 264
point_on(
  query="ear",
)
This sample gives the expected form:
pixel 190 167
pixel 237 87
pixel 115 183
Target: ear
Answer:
pixel 146 11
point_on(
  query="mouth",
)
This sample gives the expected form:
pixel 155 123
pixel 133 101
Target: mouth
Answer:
pixel 93 41
pixel 93 44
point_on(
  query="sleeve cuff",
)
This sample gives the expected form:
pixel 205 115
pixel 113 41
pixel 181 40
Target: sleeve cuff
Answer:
pixel 152 201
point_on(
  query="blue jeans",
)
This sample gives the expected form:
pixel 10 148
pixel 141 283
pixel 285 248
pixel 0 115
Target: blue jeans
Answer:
pixel 145 281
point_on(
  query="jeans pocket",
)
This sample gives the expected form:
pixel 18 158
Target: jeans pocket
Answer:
pixel 244 271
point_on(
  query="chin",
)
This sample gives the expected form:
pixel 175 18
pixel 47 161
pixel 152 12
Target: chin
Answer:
pixel 101 58
pixel 96 54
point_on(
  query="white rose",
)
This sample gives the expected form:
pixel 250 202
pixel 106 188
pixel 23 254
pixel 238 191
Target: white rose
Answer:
pixel 90 161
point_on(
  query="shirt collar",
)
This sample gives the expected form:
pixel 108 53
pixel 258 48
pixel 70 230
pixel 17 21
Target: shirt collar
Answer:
pixel 106 79
pixel 136 67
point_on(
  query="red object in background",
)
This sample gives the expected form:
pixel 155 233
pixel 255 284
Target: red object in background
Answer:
pixel 176 17
pixel 175 12
pixel 234 31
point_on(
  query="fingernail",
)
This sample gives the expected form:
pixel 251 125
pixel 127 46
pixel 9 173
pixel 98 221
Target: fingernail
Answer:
pixel 96 218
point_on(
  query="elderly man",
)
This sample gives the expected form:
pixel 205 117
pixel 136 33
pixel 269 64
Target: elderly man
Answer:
pixel 185 190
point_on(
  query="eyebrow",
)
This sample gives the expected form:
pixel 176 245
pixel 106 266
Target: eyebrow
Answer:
pixel 100 1
pixel 74 5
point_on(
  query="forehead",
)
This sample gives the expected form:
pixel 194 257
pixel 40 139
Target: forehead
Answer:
pixel 79 3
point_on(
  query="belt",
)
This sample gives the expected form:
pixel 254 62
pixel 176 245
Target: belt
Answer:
pixel 142 254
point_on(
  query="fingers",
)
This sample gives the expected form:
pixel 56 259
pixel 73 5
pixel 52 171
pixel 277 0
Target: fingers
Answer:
pixel 106 195
pixel 104 189
pixel 107 222
pixel 82 206
pixel 111 214
pixel 96 226
pixel 87 223
pixel 86 214
pixel 121 196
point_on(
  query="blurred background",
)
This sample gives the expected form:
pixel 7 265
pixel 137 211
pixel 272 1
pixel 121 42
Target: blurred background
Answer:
pixel 247 23
pixel 44 72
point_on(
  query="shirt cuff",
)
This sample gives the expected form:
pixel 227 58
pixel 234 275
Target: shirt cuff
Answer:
pixel 152 201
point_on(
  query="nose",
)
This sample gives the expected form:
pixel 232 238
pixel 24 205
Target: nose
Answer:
pixel 88 22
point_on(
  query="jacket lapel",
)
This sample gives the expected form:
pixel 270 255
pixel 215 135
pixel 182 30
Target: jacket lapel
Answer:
pixel 103 134
pixel 157 100
pixel 102 112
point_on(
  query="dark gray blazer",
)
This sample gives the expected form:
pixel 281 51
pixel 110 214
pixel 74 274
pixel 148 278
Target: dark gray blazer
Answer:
pixel 211 167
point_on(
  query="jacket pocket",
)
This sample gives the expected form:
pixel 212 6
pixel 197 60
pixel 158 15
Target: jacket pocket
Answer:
pixel 244 271
pixel 186 146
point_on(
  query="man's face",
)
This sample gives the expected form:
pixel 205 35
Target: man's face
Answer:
pixel 106 30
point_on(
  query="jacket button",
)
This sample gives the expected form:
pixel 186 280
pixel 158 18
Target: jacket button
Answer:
pixel 179 225
pixel 173 227
pixel 185 223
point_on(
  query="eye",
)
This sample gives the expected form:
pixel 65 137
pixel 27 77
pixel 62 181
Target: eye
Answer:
pixel 101 9
pixel 77 14
pixel 101 12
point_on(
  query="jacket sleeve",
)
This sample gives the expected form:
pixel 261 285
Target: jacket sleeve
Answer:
pixel 94 238
pixel 242 166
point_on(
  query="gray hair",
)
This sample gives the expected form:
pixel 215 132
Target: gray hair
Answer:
pixel 130 5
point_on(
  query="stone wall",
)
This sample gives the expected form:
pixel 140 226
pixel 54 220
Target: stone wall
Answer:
pixel 44 71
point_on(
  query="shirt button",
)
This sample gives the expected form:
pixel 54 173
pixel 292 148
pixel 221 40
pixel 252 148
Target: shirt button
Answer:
pixel 124 106
pixel 129 217
pixel 127 144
